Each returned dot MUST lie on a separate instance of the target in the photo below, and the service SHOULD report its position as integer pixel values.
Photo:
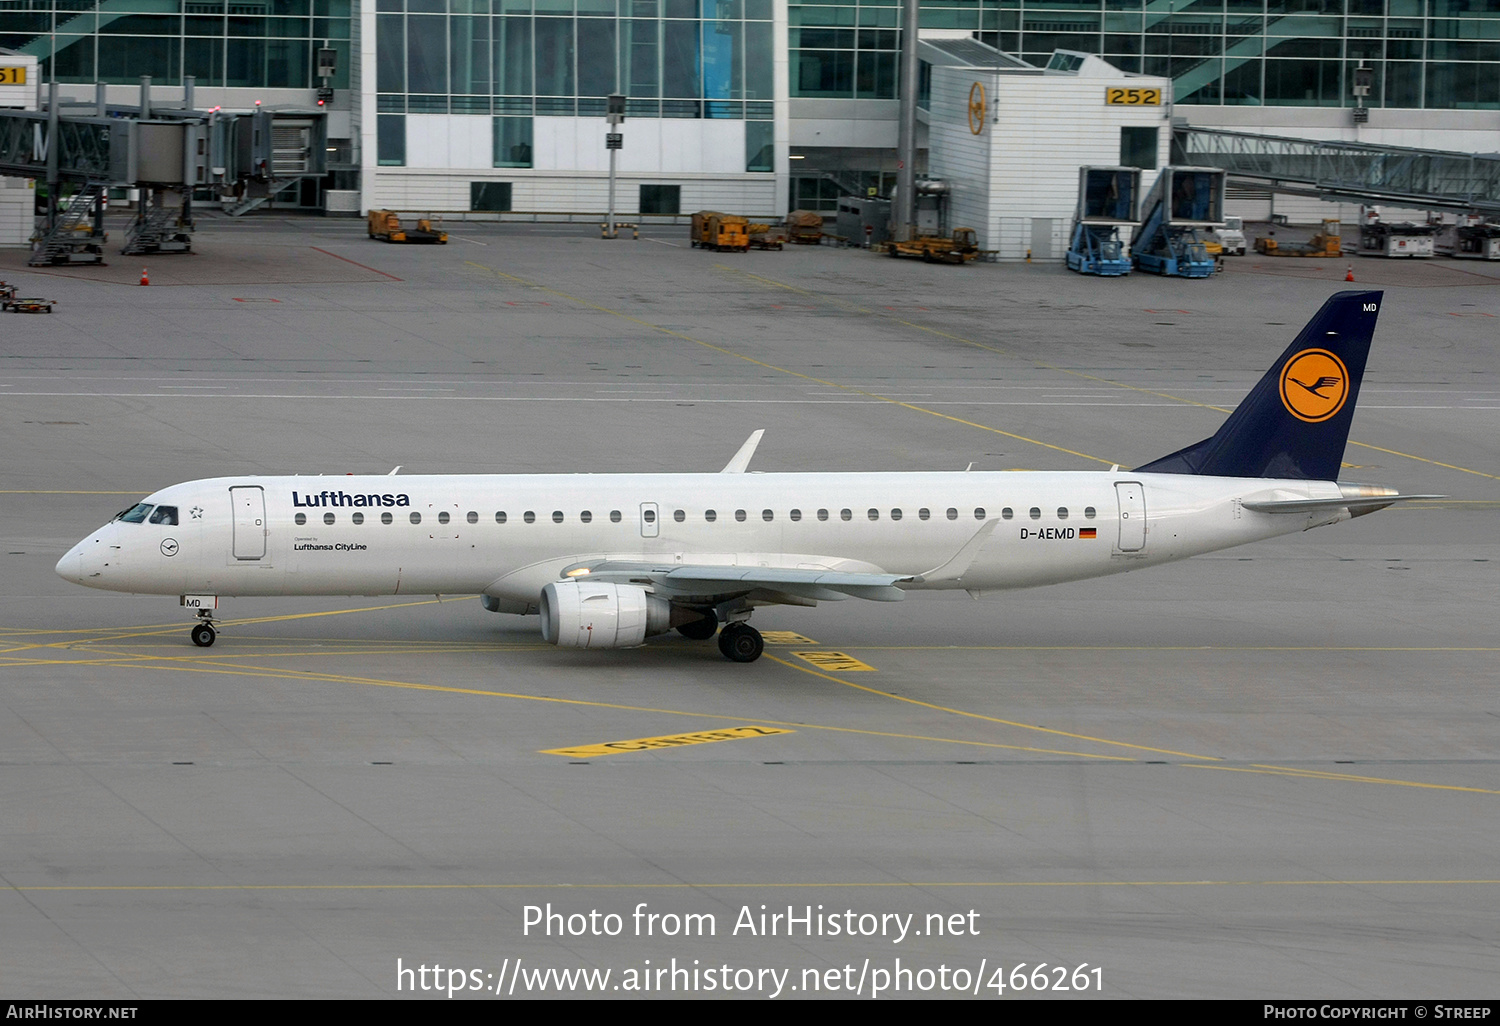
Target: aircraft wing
(722, 582)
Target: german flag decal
(1088, 532)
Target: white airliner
(609, 560)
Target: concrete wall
(17, 206)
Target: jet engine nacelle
(583, 614)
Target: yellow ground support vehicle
(385, 225)
(1326, 243)
(716, 231)
(960, 249)
(805, 227)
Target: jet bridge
(1184, 201)
(167, 153)
(1109, 198)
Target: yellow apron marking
(649, 744)
(786, 638)
(840, 661)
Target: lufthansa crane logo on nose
(1314, 385)
(977, 107)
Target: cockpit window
(135, 514)
(165, 515)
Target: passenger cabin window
(924, 513)
(586, 517)
(165, 515)
(679, 515)
(1035, 513)
(873, 514)
(1007, 513)
(822, 514)
(328, 518)
(416, 518)
(473, 517)
(443, 517)
(300, 519)
(952, 513)
(557, 516)
(649, 515)
(359, 518)
(767, 515)
(614, 516)
(529, 517)
(500, 516)
(710, 515)
(795, 514)
(1089, 513)
(1062, 512)
(895, 514)
(739, 515)
(846, 514)
(979, 513)
(386, 518)
(135, 514)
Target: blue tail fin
(1295, 422)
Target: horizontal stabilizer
(1356, 506)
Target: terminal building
(762, 106)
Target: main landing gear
(203, 633)
(741, 642)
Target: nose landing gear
(203, 633)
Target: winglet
(742, 458)
(955, 568)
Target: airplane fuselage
(509, 536)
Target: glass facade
(1437, 54)
(248, 43)
(523, 58)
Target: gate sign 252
(1115, 95)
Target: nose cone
(70, 567)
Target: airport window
(165, 515)
(1138, 147)
(846, 514)
(135, 514)
(557, 516)
(679, 515)
(660, 199)
(529, 517)
(512, 149)
(386, 518)
(614, 516)
(710, 515)
(760, 149)
(767, 515)
(327, 518)
(1035, 513)
(1062, 512)
(390, 140)
(924, 513)
(473, 517)
(489, 195)
(952, 513)
(649, 515)
(739, 515)
(300, 519)
(1007, 513)
(358, 518)
(1089, 512)
(895, 514)
(822, 514)
(443, 517)
(795, 514)
(586, 517)
(416, 518)
(873, 514)
(500, 516)
(979, 513)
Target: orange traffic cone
(1349, 275)
(147, 281)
